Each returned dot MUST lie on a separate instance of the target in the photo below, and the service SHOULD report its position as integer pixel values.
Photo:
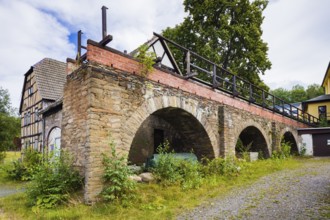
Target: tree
(9, 124)
(9, 129)
(4, 101)
(283, 94)
(228, 33)
(314, 90)
(298, 93)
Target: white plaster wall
(307, 141)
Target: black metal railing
(190, 65)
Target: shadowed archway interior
(289, 139)
(182, 130)
(251, 137)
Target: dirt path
(288, 194)
(6, 191)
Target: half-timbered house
(43, 86)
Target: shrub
(221, 166)
(146, 58)
(283, 152)
(190, 172)
(166, 168)
(118, 186)
(2, 156)
(261, 155)
(18, 171)
(242, 150)
(286, 149)
(53, 181)
(24, 170)
(171, 170)
(303, 150)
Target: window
(36, 114)
(322, 112)
(24, 120)
(54, 141)
(27, 118)
(30, 91)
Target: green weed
(118, 186)
(53, 182)
(24, 170)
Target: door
(321, 144)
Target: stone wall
(102, 105)
(75, 126)
(107, 101)
(234, 121)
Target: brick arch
(155, 105)
(291, 136)
(261, 135)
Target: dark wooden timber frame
(192, 66)
(219, 78)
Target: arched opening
(54, 141)
(289, 139)
(252, 140)
(183, 131)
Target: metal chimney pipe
(79, 44)
(104, 22)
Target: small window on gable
(30, 90)
(36, 114)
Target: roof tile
(50, 77)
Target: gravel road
(5, 191)
(288, 194)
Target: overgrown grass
(154, 201)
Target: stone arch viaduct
(107, 100)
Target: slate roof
(321, 98)
(50, 77)
(55, 105)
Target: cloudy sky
(297, 33)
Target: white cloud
(296, 31)
(34, 29)
(27, 36)
(297, 34)
(125, 18)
